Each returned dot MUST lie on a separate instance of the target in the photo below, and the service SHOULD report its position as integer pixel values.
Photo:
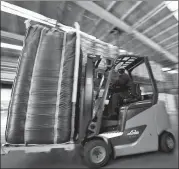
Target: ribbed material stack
(40, 109)
(20, 92)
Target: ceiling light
(173, 7)
(122, 51)
(10, 46)
(164, 69)
(176, 15)
(173, 71)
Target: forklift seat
(135, 108)
(134, 94)
(126, 112)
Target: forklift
(142, 124)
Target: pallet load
(40, 110)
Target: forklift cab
(96, 106)
(136, 99)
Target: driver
(120, 89)
(123, 82)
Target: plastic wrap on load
(65, 104)
(97, 48)
(20, 93)
(41, 108)
(39, 126)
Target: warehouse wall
(5, 98)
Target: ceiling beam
(92, 7)
(109, 7)
(131, 10)
(149, 15)
(151, 27)
(123, 17)
(172, 45)
(170, 37)
(159, 22)
(164, 31)
(139, 45)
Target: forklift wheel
(96, 153)
(167, 142)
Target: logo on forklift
(133, 132)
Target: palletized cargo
(41, 105)
(57, 105)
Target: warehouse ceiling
(151, 27)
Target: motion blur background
(156, 27)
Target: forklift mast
(87, 94)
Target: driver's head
(121, 71)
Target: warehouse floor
(62, 159)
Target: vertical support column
(75, 78)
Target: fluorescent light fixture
(10, 46)
(164, 69)
(176, 15)
(122, 51)
(173, 71)
(173, 6)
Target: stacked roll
(39, 127)
(41, 107)
(20, 93)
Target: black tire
(166, 140)
(92, 145)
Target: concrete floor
(62, 159)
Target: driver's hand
(110, 85)
(114, 85)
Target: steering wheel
(112, 85)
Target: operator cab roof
(128, 62)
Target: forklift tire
(96, 153)
(167, 142)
